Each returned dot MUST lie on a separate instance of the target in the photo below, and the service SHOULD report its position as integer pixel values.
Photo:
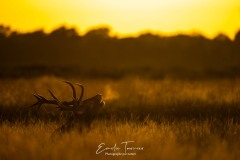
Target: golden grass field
(170, 119)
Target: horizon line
(113, 33)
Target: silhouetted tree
(222, 37)
(98, 33)
(97, 52)
(237, 37)
(6, 31)
(63, 32)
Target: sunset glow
(126, 17)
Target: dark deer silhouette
(83, 111)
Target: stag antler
(81, 95)
(75, 105)
(41, 100)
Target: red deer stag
(83, 111)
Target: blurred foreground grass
(171, 119)
(178, 140)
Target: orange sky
(126, 17)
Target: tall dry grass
(171, 119)
(178, 140)
(130, 91)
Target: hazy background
(114, 39)
(64, 52)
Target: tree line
(97, 53)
